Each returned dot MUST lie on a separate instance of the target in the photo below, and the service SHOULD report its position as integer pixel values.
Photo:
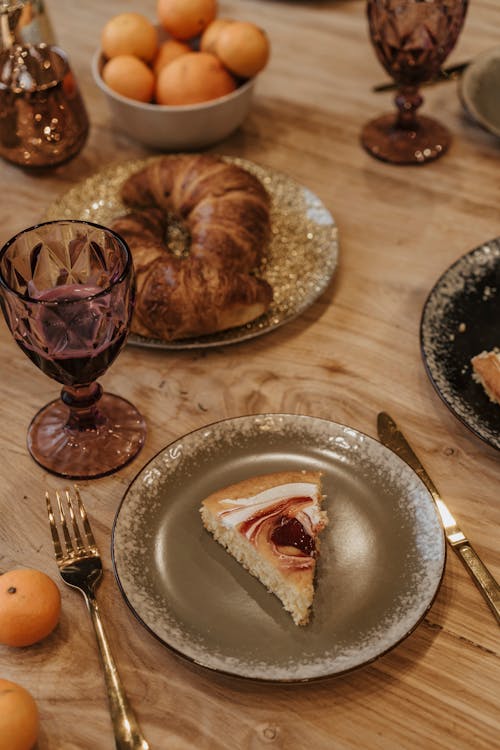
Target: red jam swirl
(282, 527)
(290, 533)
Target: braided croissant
(226, 212)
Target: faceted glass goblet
(411, 38)
(67, 294)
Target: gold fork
(80, 566)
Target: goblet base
(383, 139)
(96, 451)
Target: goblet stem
(403, 137)
(408, 100)
(86, 433)
(82, 402)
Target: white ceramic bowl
(175, 128)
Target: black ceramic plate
(382, 553)
(460, 319)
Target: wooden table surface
(354, 352)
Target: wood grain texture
(351, 354)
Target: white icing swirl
(236, 511)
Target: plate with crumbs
(300, 260)
(461, 318)
(380, 566)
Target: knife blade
(445, 74)
(392, 437)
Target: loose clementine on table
(193, 78)
(243, 48)
(129, 34)
(19, 720)
(30, 606)
(185, 19)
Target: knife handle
(482, 577)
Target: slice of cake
(270, 524)
(486, 371)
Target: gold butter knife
(393, 438)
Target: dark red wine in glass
(67, 294)
(412, 38)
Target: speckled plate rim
(470, 79)
(435, 374)
(339, 433)
(302, 255)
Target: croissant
(224, 207)
(225, 211)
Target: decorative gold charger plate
(381, 563)
(301, 258)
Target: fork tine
(85, 520)
(80, 547)
(53, 530)
(67, 538)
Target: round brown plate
(301, 257)
(381, 563)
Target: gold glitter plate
(301, 258)
(381, 562)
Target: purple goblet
(412, 38)
(67, 293)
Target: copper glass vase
(411, 38)
(43, 120)
(24, 22)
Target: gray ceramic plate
(381, 563)
(301, 258)
(479, 87)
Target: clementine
(243, 48)
(185, 19)
(30, 606)
(211, 34)
(129, 34)
(193, 78)
(130, 77)
(168, 51)
(19, 720)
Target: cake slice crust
(270, 524)
(486, 371)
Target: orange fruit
(130, 77)
(168, 51)
(185, 19)
(243, 48)
(193, 78)
(211, 34)
(30, 606)
(129, 34)
(19, 720)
